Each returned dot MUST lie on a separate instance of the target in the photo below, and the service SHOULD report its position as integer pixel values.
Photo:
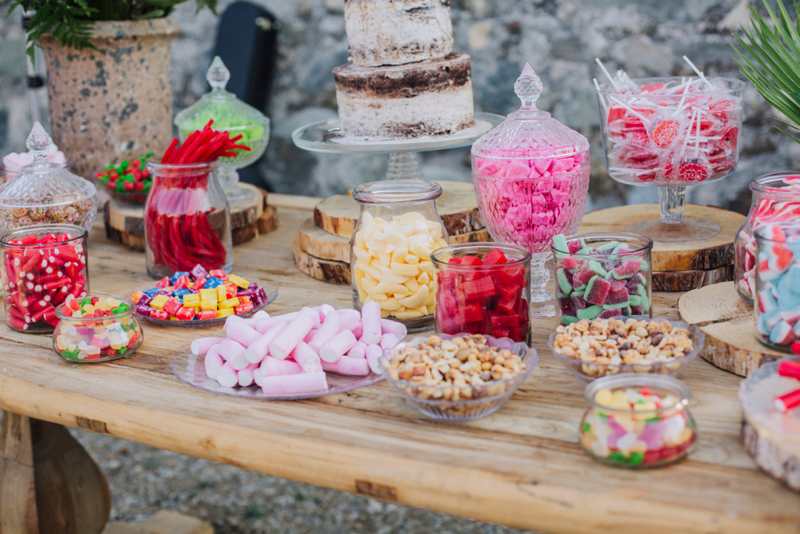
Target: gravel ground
(144, 480)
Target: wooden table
(521, 467)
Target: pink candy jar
(776, 198)
(531, 176)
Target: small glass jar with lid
(390, 258)
(232, 115)
(531, 176)
(46, 193)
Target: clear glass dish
(495, 393)
(80, 333)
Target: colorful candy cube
(185, 314)
(239, 281)
(243, 308)
(159, 314)
(172, 306)
(191, 300)
(208, 314)
(136, 296)
(226, 312)
(158, 302)
(230, 303)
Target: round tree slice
(334, 272)
(687, 280)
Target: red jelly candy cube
(495, 257)
(471, 313)
(164, 282)
(207, 314)
(172, 306)
(199, 284)
(572, 264)
(185, 314)
(516, 334)
(183, 282)
(500, 332)
(218, 273)
(243, 308)
(503, 321)
(230, 291)
(651, 457)
(470, 260)
(159, 314)
(597, 290)
(481, 288)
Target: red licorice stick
(784, 403)
(168, 153)
(789, 369)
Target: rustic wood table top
(521, 467)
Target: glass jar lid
(44, 183)
(529, 133)
(229, 113)
(397, 192)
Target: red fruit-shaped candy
(664, 132)
(692, 172)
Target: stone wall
(560, 38)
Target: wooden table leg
(48, 483)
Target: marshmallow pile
(778, 284)
(289, 354)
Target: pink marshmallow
(307, 358)
(374, 357)
(358, 351)
(242, 333)
(330, 327)
(258, 349)
(310, 335)
(371, 323)
(394, 327)
(351, 319)
(245, 376)
(262, 325)
(213, 362)
(347, 366)
(227, 376)
(295, 331)
(314, 314)
(257, 376)
(230, 349)
(337, 346)
(323, 310)
(233, 319)
(202, 345)
(358, 331)
(273, 367)
(295, 384)
(389, 341)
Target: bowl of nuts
(458, 377)
(603, 347)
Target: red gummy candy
(495, 257)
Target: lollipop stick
(632, 112)
(688, 133)
(600, 96)
(610, 79)
(697, 138)
(697, 71)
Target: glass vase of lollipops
(670, 133)
(531, 176)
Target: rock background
(560, 38)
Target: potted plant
(108, 75)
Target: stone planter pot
(113, 103)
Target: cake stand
(326, 137)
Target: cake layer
(396, 32)
(426, 98)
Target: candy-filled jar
(637, 421)
(775, 199)
(482, 288)
(531, 176)
(46, 193)
(602, 275)
(42, 267)
(391, 248)
(187, 220)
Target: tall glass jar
(42, 266)
(187, 220)
(390, 254)
(776, 198)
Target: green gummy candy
(590, 313)
(559, 294)
(560, 243)
(627, 311)
(621, 248)
(563, 283)
(122, 350)
(586, 427)
(635, 300)
(85, 301)
(645, 306)
(620, 305)
(643, 267)
(616, 456)
(69, 354)
(568, 319)
(590, 285)
(597, 268)
(584, 251)
(608, 246)
(642, 291)
(636, 458)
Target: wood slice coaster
(702, 254)
(125, 224)
(334, 272)
(727, 322)
(319, 243)
(268, 222)
(689, 280)
(457, 207)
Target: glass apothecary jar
(187, 220)
(531, 176)
(42, 266)
(601, 275)
(637, 421)
(482, 288)
(390, 254)
(96, 329)
(775, 198)
(46, 193)
(233, 116)
(777, 301)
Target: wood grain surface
(521, 467)
(675, 281)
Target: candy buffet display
(187, 219)
(127, 182)
(45, 193)
(396, 233)
(637, 421)
(293, 355)
(531, 176)
(592, 349)
(42, 267)
(775, 199)
(13, 163)
(200, 298)
(602, 275)
(670, 132)
(785, 402)
(777, 306)
(96, 329)
(458, 378)
(483, 289)
(229, 115)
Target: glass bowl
(490, 397)
(587, 372)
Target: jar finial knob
(218, 74)
(38, 142)
(528, 87)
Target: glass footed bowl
(587, 372)
(495, 393)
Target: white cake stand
(326, 136)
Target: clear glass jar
(531, 176)
(230, 115)
(482, 288)
(97, 339)
(45, 193)
(777, 306)
(775, 198)
(602, 275)
(637, 421)
(187, 220)
(390, 252)
(42, 266)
